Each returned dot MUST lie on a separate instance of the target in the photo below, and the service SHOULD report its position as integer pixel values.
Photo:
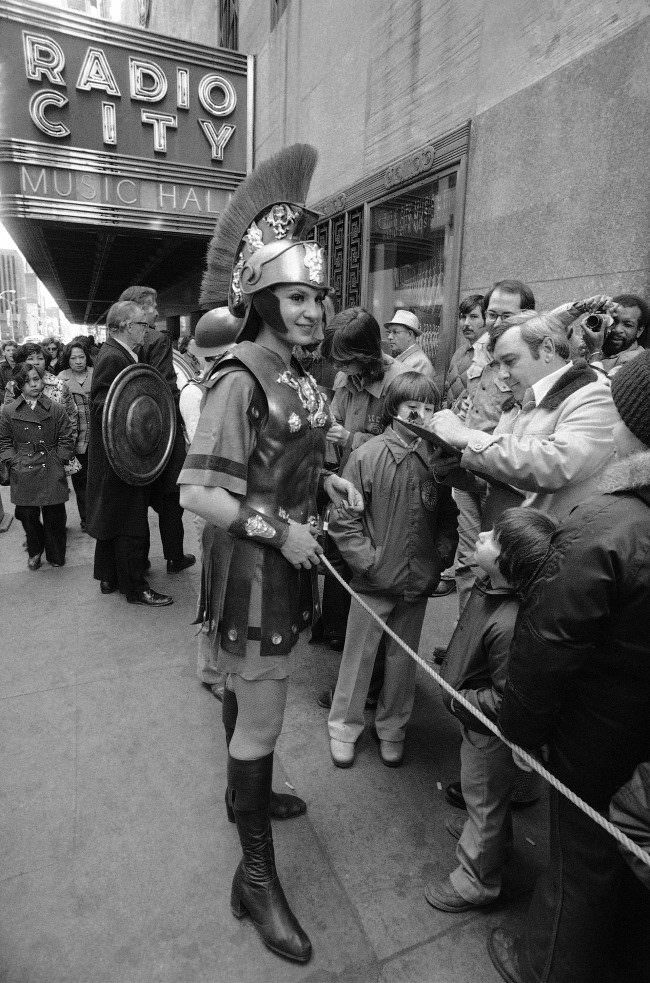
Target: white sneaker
(342, 753)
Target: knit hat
(631, 394)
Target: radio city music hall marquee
(104, 123)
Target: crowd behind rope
(544, 424)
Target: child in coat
(396, 549)
(476, 664)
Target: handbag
(72, 466)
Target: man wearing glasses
(117, 512)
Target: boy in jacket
(396, 550)
(476, 665)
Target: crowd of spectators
(528, 478)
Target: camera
(596, 322)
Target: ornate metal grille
(229, 24)
(354, 258)
(278, 7)
(337, 248)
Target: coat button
(305, 615)
(294, 629)
(232, 635)
(276, 639)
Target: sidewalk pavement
(116, 854)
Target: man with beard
(623, 339)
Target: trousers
(395, 704)
(79, 484)
(487, 778)
(48, 535)
(121, 561)
(470, 507)
(170, 520)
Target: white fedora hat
(407, 319)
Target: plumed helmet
(260, 239)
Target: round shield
(139, 424)
(185, 371)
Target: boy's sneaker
(444, 896)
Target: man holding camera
(618, 338)
(550, 454)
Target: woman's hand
(300, 547)
(343, 494)
(337, 434)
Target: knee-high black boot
(282, 806)
(256, 889)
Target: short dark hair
(523, 291)
(31, 348)
(138, 295)
(67, 352)
(357, 337)
(9, 343)
(524, 535)
(408, 385)
(631, 300)
(468, 304)
(20, 374)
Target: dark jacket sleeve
(7, 447)
(447, 526)
(349, 530)
(66, 437)
(157, 352)
(558, 628)
(496, 642)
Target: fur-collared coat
(579, 670)
(552, 454)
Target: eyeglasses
(143, 324)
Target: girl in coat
(36, 439)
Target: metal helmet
(215, 331)
(284, 261)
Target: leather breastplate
(284, 468)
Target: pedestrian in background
(36, 439)
(77, 373)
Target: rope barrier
(524, 755)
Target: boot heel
(236, 906)
(230, 812)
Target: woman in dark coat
(36, 438)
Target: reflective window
(410, 262)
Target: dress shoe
(391, 752)
(34, 562)
(443, 588)
(502, 950)
(455, 826)
(175, 566)
(337, 643)
(107, 587)
(54, 563)
(150, 597)
(342, 753)
(438, 655)
(444, 896)
(454, 795)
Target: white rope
(528, 758)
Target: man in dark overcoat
(156, 350)
(116, 511)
